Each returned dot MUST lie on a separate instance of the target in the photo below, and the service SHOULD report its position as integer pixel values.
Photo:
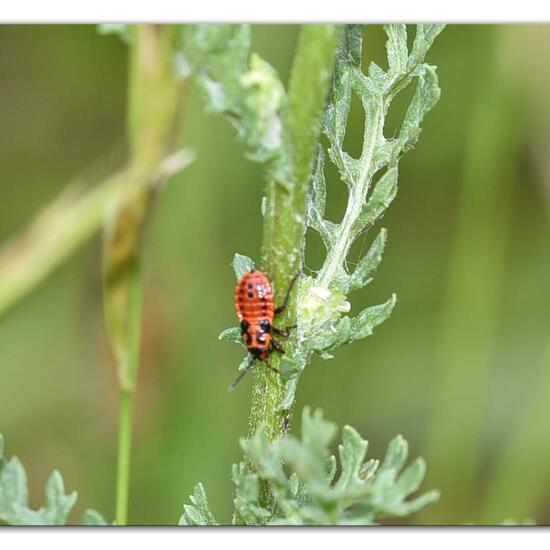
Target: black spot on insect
(250, 294)
(263, 298)
(265, 325)
(250, 286)
(244, 326)
(241, 291)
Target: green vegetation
(461, 369)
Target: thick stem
(285, 213)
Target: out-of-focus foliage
(236, 83)
(301, 476)
(14, 505)
(63, 106)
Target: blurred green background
(462, 368)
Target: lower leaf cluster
(14, 505)
(302, 485)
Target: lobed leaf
(240, 85)
(93, 518)
(382, 196)
(242, 264)
(366, 268)
(58, 504)
(14, 507)
(370, 318)
(197, 513)
(299, 474)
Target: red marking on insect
(256, 311)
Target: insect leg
(276, 346)
(283, 332)
(282, 307)
(251, 360)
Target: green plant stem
(124, 449)
(127, 397)
(154, 93)
(154, 96)
(29, 257)
(285, 212)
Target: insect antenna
(236, 383)
(241, 376)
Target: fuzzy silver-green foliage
(323, 320)
(14, 505)
(122, 30)
(236, 83)
(301, 476)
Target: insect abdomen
(255, 310)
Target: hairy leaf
(14, 507)
(236, 83)
(93, 518)
(308, 496)
(197, 513)
(242, 264)
(299, 474)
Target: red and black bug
(256, 311)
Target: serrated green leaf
(396, 48)
(242, 264)
(265, 459)
(13, 491)
(291, 383)
(330, 336)
(425, 36)
(317, 197)
(411, 478)
(58, 504)
(93, 518)
(331, 469)
(199, 512)
(288, 367)
(368, 469)
(409, 507)
(294, 484)
(246, 495)
(426, 96)
(317, 432)
(367, 201)
(232, 334)
(381, 197)
(370, 318)
(396, 455)
(236, 83)
(351, 45)
(366, 268)
(309, 496)
(122, 30)
(352, 454)
(14, 508)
